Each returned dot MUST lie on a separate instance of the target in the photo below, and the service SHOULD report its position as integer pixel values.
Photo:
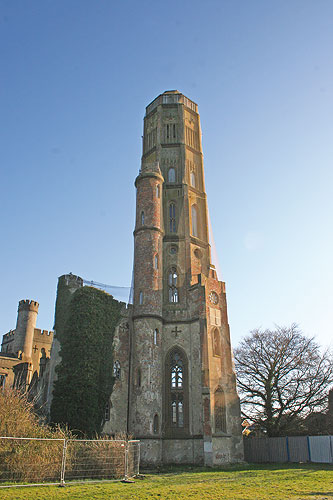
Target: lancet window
(193, 180)
(142, 218)
(220, 411)
(155, 424)
(171, 175)
(176, 372)
(173, 287)
(172, 218)
(216, 342)
(194, 214)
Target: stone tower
(25, 327)
(183, 403)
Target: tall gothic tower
(182, 399)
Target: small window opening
(157, 191)
(172, 218)
(142, 218)
(156, 261)
(141, 298)
(155, 336)
(155, 424)
(116, 369)
(107, 412)
(138, 377)
(174, 131)
(173, 290)
(167, 128)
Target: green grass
(247, 482)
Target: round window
(213, 297)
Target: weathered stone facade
(176, 391)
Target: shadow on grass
(248, 467)
(321, 493)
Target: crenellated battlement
(28, 305)
(8, 336)
(43, 334)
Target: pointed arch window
(176, 385)
(172, 218)
(173, 287)
(220, 411)
(171, 175)
(142, 218)
(194, 214)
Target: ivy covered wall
(85, 323)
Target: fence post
(139, 456)
(126, 461)
(309, 447)
(63, 464)
(288, 451)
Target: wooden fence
(289, 449)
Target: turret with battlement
(25, 326)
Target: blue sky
(76, 76)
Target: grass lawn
(248, 482)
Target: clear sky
(76, 76)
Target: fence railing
(57, 461)
(318, 449)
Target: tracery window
(116, 369)
(220, 411)
(176, 384)
(172, 218)
(194, 214)
(171, 175)
(173, 289)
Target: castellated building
(25, 354)
(174, 382)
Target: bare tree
(282, 375)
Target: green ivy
(85, 374)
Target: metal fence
(57, 461)
(289, 449)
